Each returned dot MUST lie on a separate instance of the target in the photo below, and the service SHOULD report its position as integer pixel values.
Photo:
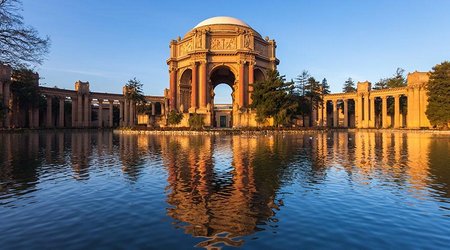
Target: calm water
(79, 190)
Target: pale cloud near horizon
(81, 72)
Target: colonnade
(366, 100)
(364, 111)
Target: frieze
(185, 47)
(223, 43)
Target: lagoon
(99, 189)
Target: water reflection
(222, 188)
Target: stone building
(218, 50)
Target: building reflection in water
(215, 189)
(225, 187)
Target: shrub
(174, 117)
(196, 122)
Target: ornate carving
(198, 39)
(186, 47)
(223, 43)
(247, 40)
(261, 48)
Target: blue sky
(109, 42)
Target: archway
(258, 75)
(222, 96)
(185, 90)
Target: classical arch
(259, 75)
(185, 90)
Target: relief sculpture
(223, 43)
(186, 47)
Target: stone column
(384, 111)
(111, 114)
(397, 111)
(163, 109)
(424, 122)
(251, 81)
(410, 106)
(30, 117)
(36, 117)
(153, 109)
(100, 113)
(366, 111)
(203, 83)
(126, 110)
(173, 89)
(61, 112)
(242, 85)
(358, 113)
(335, 114)
(1, 90)
(194, 87)
(345, 113)
(74, 111)
(87, 109)
(49, 112)
(319, 115)
(80, 122)
(121, 115)
(372, 112)
(131, 114)
(6, 96)
(324, 117)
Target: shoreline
(229, 131)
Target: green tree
(20, 45)
(25, 90)
(324, 90)
(314, 92)
(196, 121)
(174, 118)
(273, 97)
(395, 81)
(133, 91)
(349, 86)
(302, 103)
(438, 109)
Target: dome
(222, 20)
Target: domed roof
(222, 20)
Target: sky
(108, 42)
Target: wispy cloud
(81, 72)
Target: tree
(273, 97)
(303, 105)
(133, 91)
(314, 95)
(174, 117)
(196, 121)
(20, 45)
(301, 81)
(438, 109)
(349, 86)
(395, 81)
(25, 90)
